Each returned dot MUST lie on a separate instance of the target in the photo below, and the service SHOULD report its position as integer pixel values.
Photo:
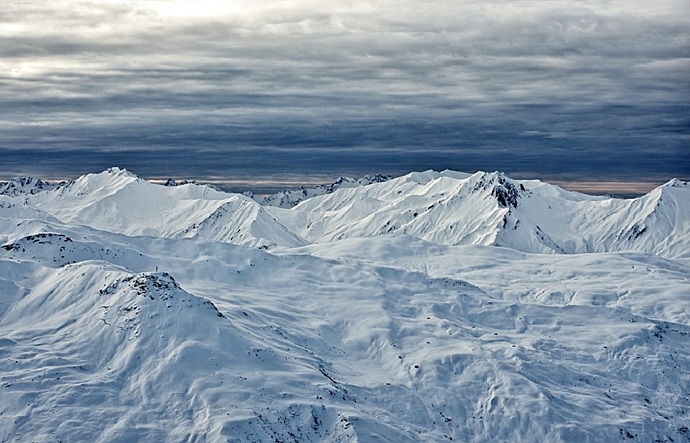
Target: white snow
(430, 307)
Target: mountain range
(436, 306)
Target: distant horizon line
(273, 183)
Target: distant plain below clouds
(563, 90)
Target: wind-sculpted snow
(127, 314)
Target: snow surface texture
(430, 307)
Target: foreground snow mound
(305, 349)
(139, 359)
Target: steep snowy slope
(118, 201)
(446, 208)
(243, 222)
(137, 359)
(569, 223)
(491, 209)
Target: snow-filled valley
(437, 306)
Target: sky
(297, 90)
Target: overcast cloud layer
(593, 89)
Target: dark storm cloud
(577, 88)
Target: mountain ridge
(445, 207)
(420, 308)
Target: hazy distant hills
(437, 306)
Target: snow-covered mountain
(437, 306)
(491, 209)
(291, 198)
(26, 185)
(447, 208)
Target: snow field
(134, 312)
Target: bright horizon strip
(626, 188)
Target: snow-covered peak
(291, 198)
(505, 190)
(97, 185)
(675, 183)
(492, 209)
(160, 287)
(119, 172)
